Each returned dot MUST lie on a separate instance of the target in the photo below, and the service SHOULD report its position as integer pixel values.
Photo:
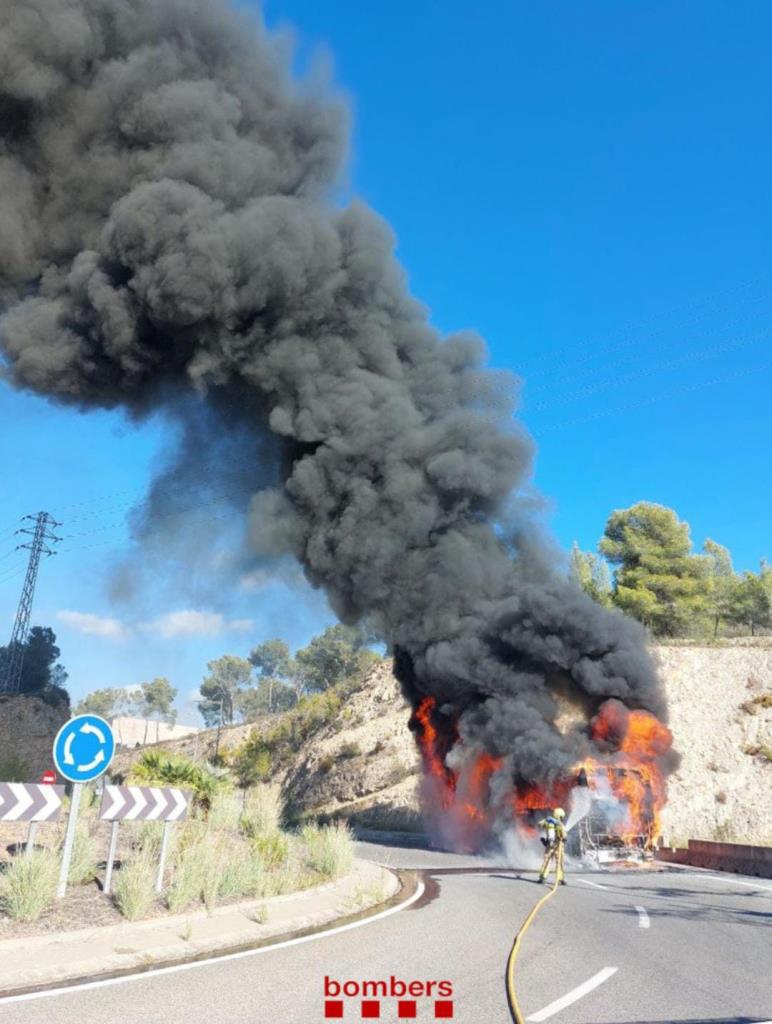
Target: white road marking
(643, 917)
(595, 885)
(736, 881)
(192, 965)
(572, 996)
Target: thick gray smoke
(168, 239)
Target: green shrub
(276, 748)
(135, 886)
(328, 850)
(28, 885)
(160, 768)
(13, 769)
(272, 849)
(349, 750)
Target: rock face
(722, 790)
(364, 763)
(27, 729)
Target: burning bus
(614, 799)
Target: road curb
(407, 883)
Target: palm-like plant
(160, 768)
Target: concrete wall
(27, 730)
(736, 857)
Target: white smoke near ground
(521, 849)
(581, 802)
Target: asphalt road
(699, 949)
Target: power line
(42, 535)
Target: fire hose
(514, 1006)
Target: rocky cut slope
(362, 762)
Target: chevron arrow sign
(21, 801)
(143, 803)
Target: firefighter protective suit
(554, 841)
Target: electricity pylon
(42, 535)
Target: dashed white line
(595, 885)
(643, 917)
(572, 996)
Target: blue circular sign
(84, 748)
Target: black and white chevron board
(21, 801)
(143, 803)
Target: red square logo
(406, 1008)
(443, 1008)
(371, 1008)
(333, 1008)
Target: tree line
(238, 689)
(646, 567)
(42, 674)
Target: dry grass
(263, 811)
(328, 850)
(242, 872)
(135, 886)
(365, 896)
(28, 885)
(84, 865)
(225, 812)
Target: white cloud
(285, 572)
(258, 579)
(240, 625)
(93, 625)
(190, 622)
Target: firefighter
(553, 841)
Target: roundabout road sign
(84, 748)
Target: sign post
(162, 863)
(142, 803)
(69, 839)
(83, 750)
(31, 834)
(111, 857)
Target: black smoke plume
(168, 239)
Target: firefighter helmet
(558, 813)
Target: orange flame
(463, 797)
(633, 742)
(638, 742)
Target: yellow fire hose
(514, 1007)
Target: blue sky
(584, 184)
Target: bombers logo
(392, 999)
